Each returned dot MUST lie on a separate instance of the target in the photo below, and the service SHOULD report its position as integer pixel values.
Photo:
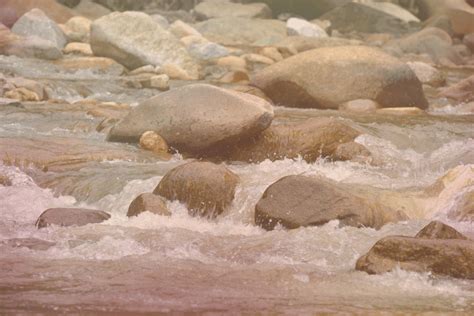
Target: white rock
(302, 27)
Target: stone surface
(70, 217)
(327, 77)
(83, 49)
(430, 41)
(207, 189)
(32, 85)
(134, 39)
(196, 117)
(238, 30)
(22, 94)
(309, 9)
(160, 82)
(359, 106)
(12, 10)
(181, 29)
(232, 62)
(154, 142)
(77, 29)
(464, 210)
(468, 40)
(148, 202)
(296, 201)
(309, 140)
(302, 27)
(91, 10)
(370, 17)
(209, 9)
(351, 151)
(300, 44)
(463, 91)
(37, 23)
(94, 64)
(207, 51)
(427, 74)
(438, 230)
(446, 257)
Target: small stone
(232, 62)
(427, 74)
(176, 72)
(235, 76)
(181, 29)
(144, 69)
(193, 39)
(153, 142)
(401, 111)
(22, 94)
(77, 29)
(271, 52)
(148, 202)
(302, 27)
(207, 51)
(258, 59)
(360, 106)
(160, 82)
(78, 49)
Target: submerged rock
(296, 201)
(37, 23)
(134, 39)
(445, 252)
(70, 217)
(209, 9)
(370, 17)
(197, 117)
(311, 139)
(148, 202)
(327, 77)
(207, 189)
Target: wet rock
(352, 151)
(196, 117)
(12, 10)
(238, 30)
(300, 44)
(302, 27)
(209, 9)
(310, 140)
(359, 106)
(370, 17)
(327, 77)
(296, 201)
(37, 23)
(207, 51)
(207, 189)
(77, 29)
(427, 74)
(439, 230)
(463, 91)
(30, 243)
(7, 101)
(160, 82)
(309, 9)
(35, 86)
(70, 217)
(440, 256)
(181, 29)
(134, 39)
(78, 49)
(464, 210)
(148, 202)
(91, 10)
(22, 94)
(154, 142)
(431, 41)
(95, 64)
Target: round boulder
(197, 117)
(296, 201)
(327, 77)
(70, 217)
(207, 189)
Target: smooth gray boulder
(37, 23)
(196, 118)
(328, 77)
(70, 217)
(134, 39)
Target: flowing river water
(153, 263)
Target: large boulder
(444, 253)
(12, 10)
(327, 77)
(463, 91)
(37, 23)
(209, 9)
(371, 17)
(239, 30)
(207, 189)
(70, 217)
(310, 140)
(296, 201)
(460, 13)
(431, 41)
(134, 39)
(197, 117)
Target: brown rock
(70, 217)
(352, 151)
(296, 201)
(300, 44)
(12, 10)
(5, 180)
(152, 141)
(22, 94)
(232, 62)
(148, 202)
(465, 208)
(207, 189)
(462, 91)
(235, 77)
(326, 77)
(78, 49)
(310, 139)
(468, 40)
(447, 257)
(438, 230)
(100, 64)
